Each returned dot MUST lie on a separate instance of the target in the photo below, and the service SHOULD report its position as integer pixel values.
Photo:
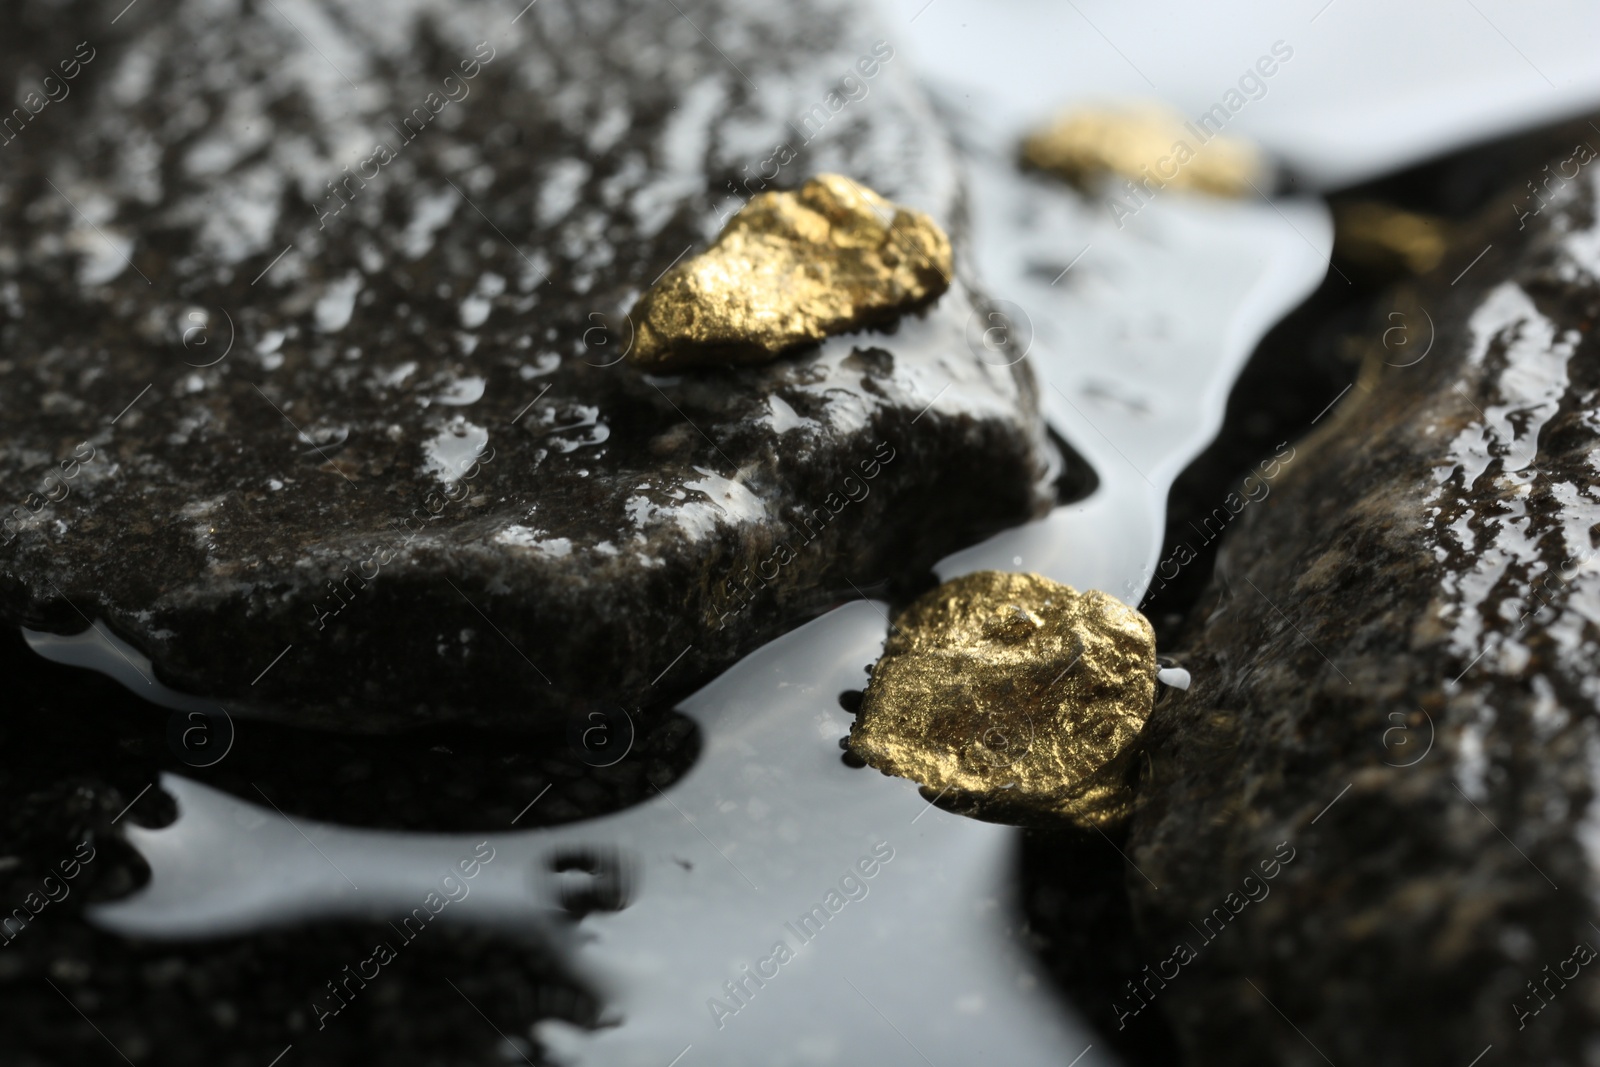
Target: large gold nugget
(791, 268)
(1148, 145)
(1014, 696)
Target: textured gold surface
(1141, 143)
(790, 268)
(1387, 240)
(1014, 696)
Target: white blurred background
(1372, 84)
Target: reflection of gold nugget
(1145, 143)
(791, 268)
(1387, 241)
(1014, 696)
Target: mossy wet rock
(261, 394)
(1394, 680)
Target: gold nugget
(1014, 696)
(1386, 241)
(1145, 143)
(792, 268)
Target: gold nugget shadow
(792, 268)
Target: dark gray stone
(1395, 695)
(219, 505)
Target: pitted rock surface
(1374, 811)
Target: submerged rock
(309, 353)
(1012, 697)
(792, 268)
(1368, 833)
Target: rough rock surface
(311, 319)
(1368, 833)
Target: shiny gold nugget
(1145, 144)
(1015, 696)
(791, 268)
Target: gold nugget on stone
(1015, 697)
(788, 269)
(1148, 145)
(1385, 241)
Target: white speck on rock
(544, 363)
(781, 417)
(605, 133)
(1176, 677)
(448, 453)
(397, 375)
(524, 537)
(429, 213)
(560, 190)
(105, 254)
(1472, 761)
(474, 312)
(461, 392)
(337, 304)
(726, 501)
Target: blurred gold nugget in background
(1145, 143)
(1387, 241)
(792, 268)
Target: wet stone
(311, 359)
(1374, 810)
(86, 759)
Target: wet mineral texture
(1368, 833)
(311, 378)
(790, 269)
(1012, 697)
